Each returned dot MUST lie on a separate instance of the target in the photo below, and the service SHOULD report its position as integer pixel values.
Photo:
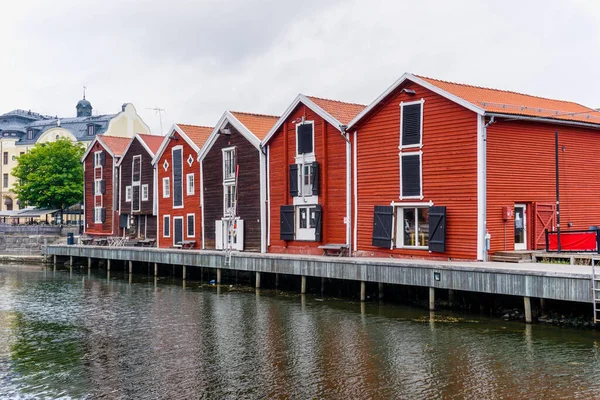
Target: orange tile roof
(152, 141)
(258, 124)
(116, 144)
(343, 112)
(198, 134)
(507, 102)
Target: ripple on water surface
(74, 336)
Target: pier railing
(581, 241)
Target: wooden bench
(145, 243)
(331, 249)
(188, 244)
(86, 241)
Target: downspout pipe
(348, 188)
(484, 186)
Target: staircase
(517, 256)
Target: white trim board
(420, 82)
(308, 103)
(226, 118)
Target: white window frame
(304, 234)
(193, 215)
(224, 152)
(412, 153)
(29, 134)
(305, 156)
(227, 210)
(91, 130)
(190, 188)
(97, 215)
(168, 218)
(97, 159)
(145, 192)
(97, 191)
(166, 187)
(410, 103)
(399, 218)
(128, 194)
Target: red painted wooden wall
(330, 153)
(106, 228)
(449, 170)
(191, 203)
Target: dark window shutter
(315, 178)
(411, 124)
(305, 138)
(103, 186)
(411, 176)
(383, 219)
(103, 214)
(286, 231)
(177, 178)
(294, 180)
(103, 158)
(318, 222)
(93, 160)
(122, 221)
(437, 229)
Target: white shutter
(219, 235)
(240, 235)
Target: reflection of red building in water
(439, 165)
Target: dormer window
(91, 130)
(29, 134)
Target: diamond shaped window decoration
(190, 160)
(166, 165)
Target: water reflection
(133, 336)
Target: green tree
(50, 175)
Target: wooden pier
(528, 280)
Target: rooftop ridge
(197, 126)
(335, 101)
(503, 91)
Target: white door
(520, 227)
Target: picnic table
(145, 243)
(86, 241)
(188, 244)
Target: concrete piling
(431, 299)
(322, 286)
(380, 290)
(155, 269)
(70, 261)
(450, 297)
(55, 259)
(130, 266)
(276, 281)
(218, 276)
(527, 305)
(108, 264)
(303, 285)
(89, 263)
(184, 273)
(258, 280)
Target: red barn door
(544, 218)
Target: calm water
(80, 337)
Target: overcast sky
(198, 58)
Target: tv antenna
(159, 111)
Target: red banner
(572, 241)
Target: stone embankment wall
(27, 244)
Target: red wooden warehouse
(441, 167)
(137, 202)
(178, 189)
(309, 177)
(101, 184)
(234, 184)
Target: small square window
(128, 194)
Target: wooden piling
(258, 280)
(89, 263)
(431, 299)
(130, 266)
(108, 264)
(363, 291)
(380, 290)
(183, 273)
(527, 306)
(155, 269)
(303, 284)
(218, 276)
